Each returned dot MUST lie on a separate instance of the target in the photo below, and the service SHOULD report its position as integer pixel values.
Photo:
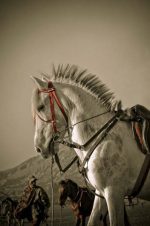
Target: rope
(95, 116)
(52, 192)
(84, 120)
(60, 216)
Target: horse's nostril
(38, 149)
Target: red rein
(53, 97)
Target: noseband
(53, 97)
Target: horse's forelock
(62, 182)
(68, 182)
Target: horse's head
(6, 206)
(67, 188)
(49, 116)
(63, 192)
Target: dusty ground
(139, 216)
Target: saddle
(139, 116)
(22, 208)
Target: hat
(32, 178)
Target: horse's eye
(41, 108)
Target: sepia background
(109, 38)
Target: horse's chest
(106, 165)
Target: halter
(78, 195)
(53, 97)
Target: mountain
(13, 181)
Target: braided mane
(71, 74)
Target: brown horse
(81, 200)
(8, 207)
(34, 213)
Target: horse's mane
(64, 182)
(14, 202)
(8, 198)
(71, 74)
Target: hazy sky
(109, 38)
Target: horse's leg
(36, 221)
(16, 222)
(78, 221)
(8, 220)
(126, 218)
(46, 222)
(20, 222)
(105, 219)
(115, 203)
(83, 220)
(98, 212)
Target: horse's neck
(81, 105)
(10, 205)
(74, 193)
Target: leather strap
(53, 97)
(105, 129)
(63, 170)
(142, 177)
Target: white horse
(115, 163)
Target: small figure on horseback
(34, 203)
(8, 207)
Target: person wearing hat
(32, 182)
(34, 203)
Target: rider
(34, 198)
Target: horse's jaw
(45, 155)
(51, 149)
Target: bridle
(53, 97)
(78, 194)
(51, 91)
(100, 134)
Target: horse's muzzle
(49, 151)
(61, 204)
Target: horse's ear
(45, 77)
(40, 83)
(62, 182)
